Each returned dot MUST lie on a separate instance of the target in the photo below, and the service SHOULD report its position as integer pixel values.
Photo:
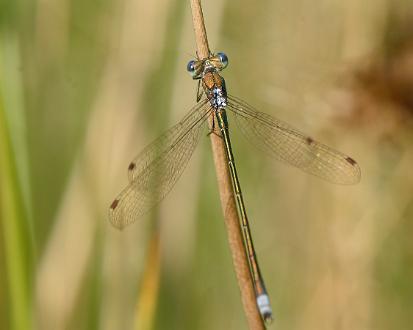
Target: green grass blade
(14, 192)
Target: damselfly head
(216, 62)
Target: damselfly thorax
(214, 88)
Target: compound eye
(191, 68)
(224, 59)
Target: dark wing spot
(114, 204)
(351, 161)
(131, 166)
(309, 140)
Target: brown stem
(227, 195)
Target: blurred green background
(85, 85)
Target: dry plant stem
(227, 195)
(149, 288)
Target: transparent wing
(287, 144)
(156, 169)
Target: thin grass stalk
(227, 197)
(149, 287)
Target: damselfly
(156, 169)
